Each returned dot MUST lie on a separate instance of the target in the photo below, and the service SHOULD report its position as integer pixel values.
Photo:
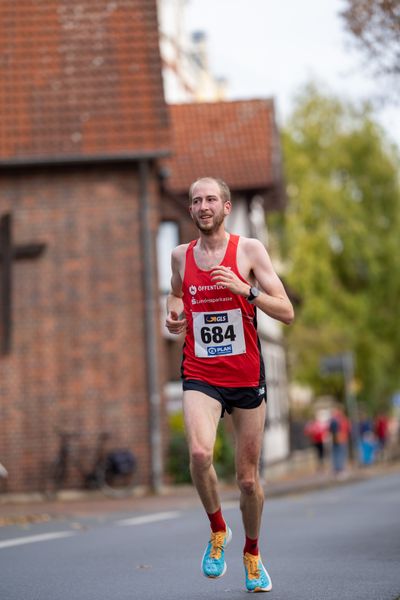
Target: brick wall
(77, 360)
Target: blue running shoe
(257, 578)
(213, 563)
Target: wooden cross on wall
(9, 253)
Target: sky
(271, 48)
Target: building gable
(236, 141)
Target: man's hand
(174, 324)
(226, 277)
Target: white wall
(276, 438)
(238, 221)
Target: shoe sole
(259, 589)
(228, 539)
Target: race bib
(218, 333)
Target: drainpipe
(151, 325)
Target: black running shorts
(230, 398)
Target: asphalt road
(341, 543)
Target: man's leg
(249, 429)
(202, 415)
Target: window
(167, 240)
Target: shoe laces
(217, 543)
(251, 564)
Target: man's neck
(213, 242)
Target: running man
(214, 298)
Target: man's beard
(212, 226)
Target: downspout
(151, 324)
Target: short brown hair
(223, 188)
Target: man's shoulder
(248, 244)
(180, 251)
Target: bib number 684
(217, 335)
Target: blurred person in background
(367, 439)
(316, 431)
(381, 428)
(339, 428)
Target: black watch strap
(254, 293)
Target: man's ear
(227, 207)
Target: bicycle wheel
(117, 485)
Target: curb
(25, 509)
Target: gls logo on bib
(216, 318)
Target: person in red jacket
(218, 282)
(381, 428)
(316, 431)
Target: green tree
(342, 232)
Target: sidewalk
(23, 510)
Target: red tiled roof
(236, 141)
(80, 78)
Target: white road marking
(44, 537)
(163, 516)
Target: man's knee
(201, 458)
(248, 485)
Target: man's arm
(273, 299)
(173, 323)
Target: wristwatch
(254, 293)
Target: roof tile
(236, 141)
(80, 78)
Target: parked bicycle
(3, 478)
(111, 471)
(3, 472)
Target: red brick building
(83, 122)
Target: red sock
(251, 546)
(217, 521)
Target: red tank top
(221, 345)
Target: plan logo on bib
(219, 350)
